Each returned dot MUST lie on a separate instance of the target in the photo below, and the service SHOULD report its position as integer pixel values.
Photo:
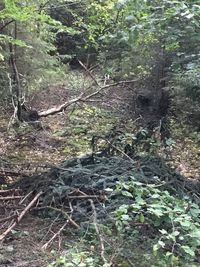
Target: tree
(27, 45)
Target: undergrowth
(164, 226)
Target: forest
(99, 133)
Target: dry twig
(67, 216)
(19, 218)
(10, 191)
(81, 97)
(98, 232)
(10, 198)
(46, 245)
(8, 218)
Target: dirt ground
(23, 247)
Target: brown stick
(80, 98)
(11, 197)
(89, 73)
(25, 197)
(63, 213)
(101, 241)
(8, 218)
(10, 191)
(45, 246)
(19, 218)
(86, 196)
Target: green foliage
(77, 256)
(32, 32)
(82, 125)
(189, 81)
(176, 221)
(131, 36)
(74, 257)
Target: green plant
(27, 39)
(175, 220)
(75, 257)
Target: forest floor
(64, 136)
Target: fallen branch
(45, 246)
(69, 219)
(63, 213)
(102, 197)
(10, 198)
(8, 218)
(25, 197)
(19, 218)
(80, 98)
(60, 108)
(98, 233)
(10, 191)
(106, 87)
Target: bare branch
(19, 218)
(6, 24)
(80, 98)
(45, 246)
(68, 217)
(98, 232)
(8, 218)
(89, 73)
(10, 198)
(60, 108)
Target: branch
(8, 218)
(9, 191)
(45, 246)
(11, 197)
(6, 24)
(98, 232)
(60, 108)
(87, 196)
(68, 217)
(19, 218)
(89, 73)
(80, 98)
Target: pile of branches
(78, 188)
(13, 207)
(69, 186)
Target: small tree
(27, 46)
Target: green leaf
(163, 232)
(155, 249)
(188, 250)
(142, 219)
(127, 194)
(140, 201)
(176, 233)
(161, 244)
(169, 254)
(125, 217)
(186, 224)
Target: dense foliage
(28, 54)
(159, 39)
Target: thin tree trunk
(15, 77)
